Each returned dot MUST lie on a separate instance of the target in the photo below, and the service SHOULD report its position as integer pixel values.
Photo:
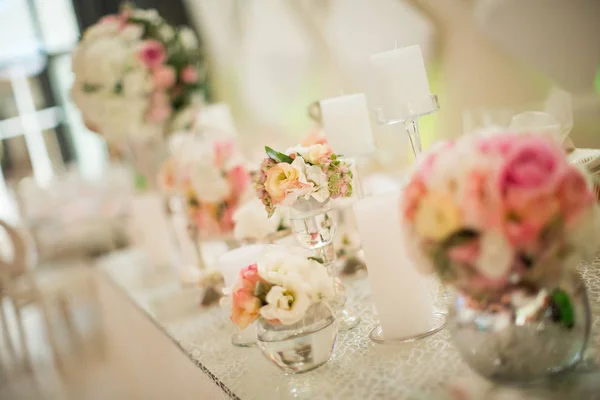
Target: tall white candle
(403, 302)
(218, 117)
(347, 125)
(400, 82)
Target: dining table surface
(430, 368)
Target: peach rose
(245, 308)
(280, 179)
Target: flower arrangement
(306, 173)
(137, 76)
(279, 288)
(209, 174)
(489, 211)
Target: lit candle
(400, 84)
(347, 125)
(218, 117)
(400, 293)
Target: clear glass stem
(412, 128)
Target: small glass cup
(302, 346)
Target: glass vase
(526, 334)
(314, 226)
(302, 346)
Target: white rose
(252, 221)
(495, 256)
(281, 267)
(132, 32)
(311, 154)
(209, 184)
(188, 38)
(316, 175)
(136, 83)
(166, 32)
(105, 62)
(99, 30)
(288, 305)
(148, 15)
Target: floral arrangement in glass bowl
(136, 76)
(505, 219)
(279, 288)
(302, 173)
(492, 210)
(209, 174)
(288, 293)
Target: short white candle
(347, 125)
(400, 82)
(231, 262)
(400, 293)
(218, 117)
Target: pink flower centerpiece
(209, 174)
(488, 212)
(137, 76)
(310, 173)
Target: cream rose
(252, 222)
(287, 305)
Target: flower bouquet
(505, 219)
(302, 174)
(288, 293)
(209, 175)
(137, 77)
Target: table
(358, 369)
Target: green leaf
(562, 309)
(277, 156)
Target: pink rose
(249, 277)
(482, 206)
(245, 307)
(498, 143)
(164, 77)
(222, 150)
(239, 179)
(226, 222)
(152, 54)
(466, 253)
(315, 137)
(189, 74)
(411, 197)
(533, 168)
(574, 194)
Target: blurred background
(269, 60)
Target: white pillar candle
(400, 293)
(218, 117)
(400, 82)
(151, 228)
(347, 125)
(231, 262)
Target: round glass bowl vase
(527, 334)
(302, 346)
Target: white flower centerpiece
(138, 79)
(288, 292)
